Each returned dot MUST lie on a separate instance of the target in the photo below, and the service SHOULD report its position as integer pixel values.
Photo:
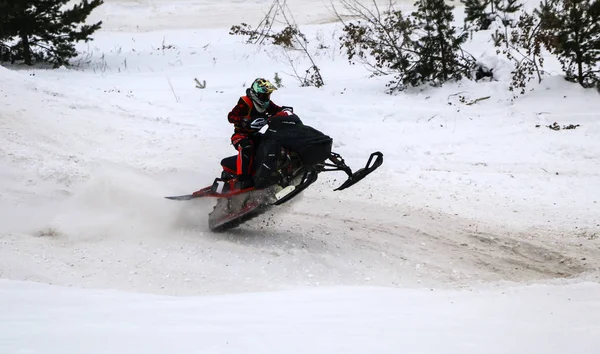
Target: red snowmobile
(288, 160)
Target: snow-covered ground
(153, 15)
(469, 196)
(36, 318)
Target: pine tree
(439, 48)
(506, 7)
(43, 31)
(572, 30)
(416, 49)
(476, 13)
(6, 19)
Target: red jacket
(245, 110)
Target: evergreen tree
(6, 11)
(477, 12)
(6, 15)
(572, 30)
(43, 31)
(506, 7)
(417, 49)
(440, 55)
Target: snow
(481, 229)
(540, 319)
(152, 15)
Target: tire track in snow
(116, 231)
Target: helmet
(260, 93)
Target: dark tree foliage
(417, 49)
(440, 55)
(569, 29)
(482, 13)
(507, 6)
(286, 38)
(6, 18)
(573, 35)
(476, 13)
(383, 44)
(43, 31)
(523, 45)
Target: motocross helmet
(260, 93)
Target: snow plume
(115, 201)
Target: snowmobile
(288, 159)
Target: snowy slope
(538, 319)
(152, 15)
(468, 194)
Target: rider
(248, 117)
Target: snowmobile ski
(363, 172)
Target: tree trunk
(579, 56)
(443, 55)
(580, 67)
(26, 49)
